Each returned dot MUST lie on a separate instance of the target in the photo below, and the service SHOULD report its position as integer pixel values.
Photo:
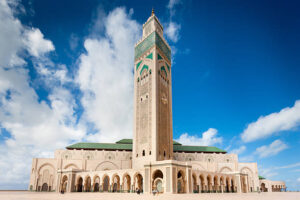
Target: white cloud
(36, 127)
(270, 150)
(287, 119)
(289, 166)
(172, 31)
(298, 179)
(267, 172)
(171, 6)
(36, 44)
(10, 37)
(208, 138)
(248, 158)
(105, 77)
(239, 150)
(172, 28)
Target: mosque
(152, 160)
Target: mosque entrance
(105, 184)
(180, 182)
(45, 187)
(79, 185)
(157, 178)
(139, 182)
(64, 184)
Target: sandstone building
(151, 160)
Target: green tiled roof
(176, 143)
(107, 146)
(261, 177)
(129, 141)
(124, 141)
(183, 148)
(126, 144)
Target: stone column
(92, 185)
(69, 183)
(238, 182)
(247, 184)
(172, 182)
(57, 183)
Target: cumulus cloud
(171, 6)
(10, 37)
(35, 42)
(272, 149)
(172, 31)
(172, 28)
(105, 77)
(36, 127)
(208, 138)
(239, 150)
(287, 119)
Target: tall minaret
(153, 134)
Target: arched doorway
(45, 187)
(227, 187)
(126, 183)
(180, 182)
(79, 184)
(263, 187)
(195, 186)
(116, 183)
(202, 183)
(222, 184)
(233, 186)
(88, 182)
(209, 183)
(138, 182)
(157, 183)
(216, 184)
(243, 184)
(106, 184)
(96, 184)
(64, 183)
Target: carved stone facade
(152, 160)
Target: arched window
(143, 152)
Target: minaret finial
(152, 11)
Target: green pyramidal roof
(261, 177)
(126, 145)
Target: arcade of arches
(198, 182)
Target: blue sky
(66, 76)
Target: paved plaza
(24, 195)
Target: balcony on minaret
(152, 24)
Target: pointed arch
(145, 67)
(106, 165)
(71, 165)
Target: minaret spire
(152, 11)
